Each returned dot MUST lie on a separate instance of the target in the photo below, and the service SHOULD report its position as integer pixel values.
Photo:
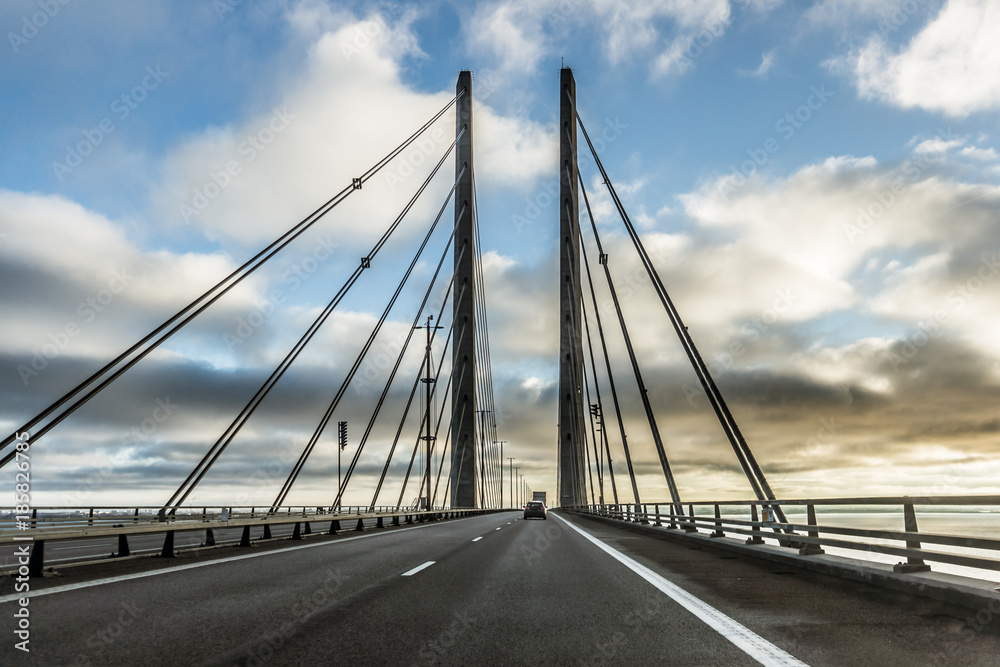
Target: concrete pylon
(463, 393)
(572, 430)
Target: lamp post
(428, 380)
(342, 437)
(512, 501)
(502, 443)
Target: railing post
(123, 549)
(209, 538)
(689, 527)
(245, 537)
(168, 545)
(90, 519)
(755, 538)
(37, 559)
(267, 531)
(297, 531)
(912, 564)
(657, 519)
(810, 548)
(334, 526)
(718, 532)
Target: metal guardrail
(30, 532)
(810, 536)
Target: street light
(342, 441)
(502, 442)
(512, 501)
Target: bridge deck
(525, 592)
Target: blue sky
(842, 152)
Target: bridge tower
(572, 429)
(463, 393)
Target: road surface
(492, 589)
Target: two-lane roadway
(493, 589)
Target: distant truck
(539, 495)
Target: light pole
(517, 474)
(512, 501)
(342, 437)
(482, 457)
(428, 380)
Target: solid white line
(412, 572)
(191, 566)
(477, 539)
(748, 641)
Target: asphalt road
(485, 590)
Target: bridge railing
(807, 533)
(32, 530)
(44, 519)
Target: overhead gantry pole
(572, 430)
(463, 393)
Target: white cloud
(950, 66)
(520, 34)
(343, 114)
(984, 154)
(93, 280)
(814, 229)
(841, 12)
(937, 145)
(511, 32)
(766, 63)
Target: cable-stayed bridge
(414, 555)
